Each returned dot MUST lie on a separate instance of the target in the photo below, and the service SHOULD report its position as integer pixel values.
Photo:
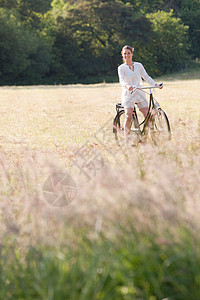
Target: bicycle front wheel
(160, 127)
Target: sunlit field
(130, 229)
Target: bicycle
(156, 122)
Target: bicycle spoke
(159, 126)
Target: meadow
(131, 230)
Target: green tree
(24, 54)
(26, 6)
(14, 47)
(8, 4)
(174, 5)
(190, 15)
(29, 11)
(145, 6)
(100, 29)
(170, 42)
(65, 63)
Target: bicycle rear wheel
(119, 131)
(159, 127)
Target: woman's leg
(144, 111)
(127, 123)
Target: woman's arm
(146, 77)
(122, 79)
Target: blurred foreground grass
(132, 231)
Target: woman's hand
(130, 87)
(160, 85)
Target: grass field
(132, 230)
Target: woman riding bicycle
(130, 76)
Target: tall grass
(132, 231)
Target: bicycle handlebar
(147, 87)
(152, 87)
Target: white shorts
(131, 104)
(137, 98)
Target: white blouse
(133, 78)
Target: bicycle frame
(151, 104)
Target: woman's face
(127, 55)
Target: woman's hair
(128, 47)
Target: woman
(130, 76)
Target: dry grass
(56, 118)
(43, 127)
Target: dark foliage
(63, 41)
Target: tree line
(70, 41)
